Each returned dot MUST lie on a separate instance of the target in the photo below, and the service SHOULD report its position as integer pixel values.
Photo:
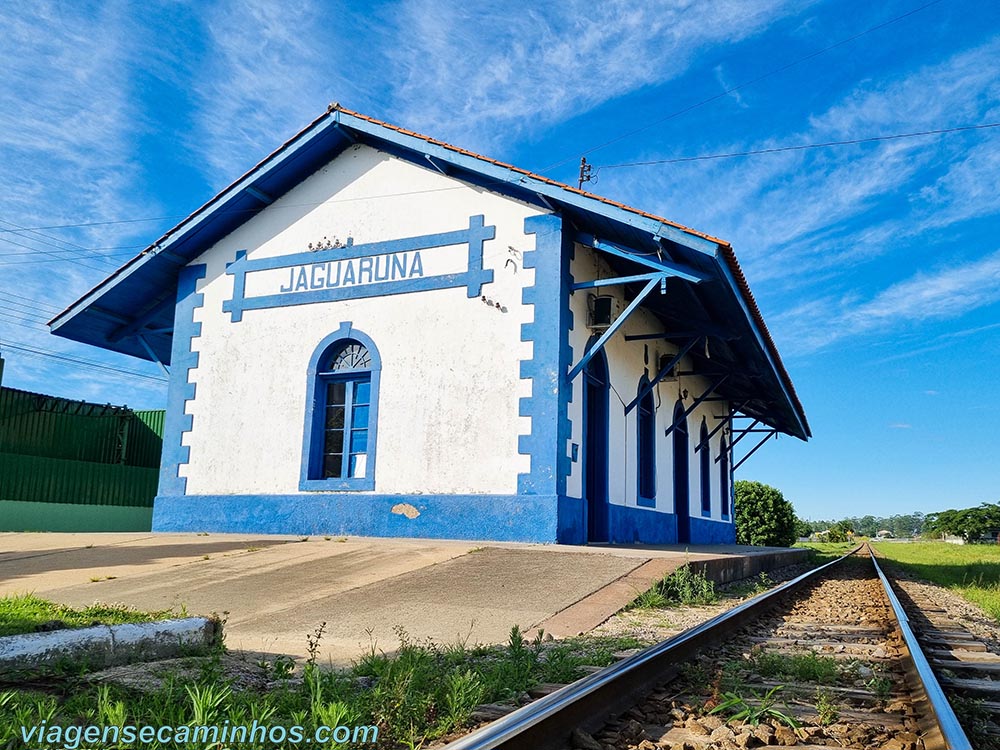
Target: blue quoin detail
(547, 443)
(180, 390)
(318, 289)
(515, 518)
(312, 442)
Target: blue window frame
(706, 471)
(342, 413)
(724, 492)
(646, 452)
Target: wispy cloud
(479, 74)
(795, 215)
(269, 68)
(67, 133)
(948, 293)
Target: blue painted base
(705, 531)
(511, 518)
(638, 526)
(641, 526)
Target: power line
(32, 351)
(803, 147)
(20, 232)
(726, 92)
(32, 300)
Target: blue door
(595, 454)
(682, 483)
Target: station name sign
(412, 264)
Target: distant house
(374, 332)
(885, 534)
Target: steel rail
(924, 682)
(589, 702)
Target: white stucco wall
(626, 367)
(450, 383)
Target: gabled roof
(131, 311)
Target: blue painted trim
(180, 390)
(710, 531)
(640, 500)
(546, 444)
(642, 526)
(312, 440)
(514, 518)
(473, 278)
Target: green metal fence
(53, 450)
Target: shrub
(763, 517)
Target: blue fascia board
(224, 210)
(763, 348)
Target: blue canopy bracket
(660, 269)
(654, 280)
(662, 373)
(152, 354)
(770, 433)
(694, 405)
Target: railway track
(828, 659)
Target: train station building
(373, 332)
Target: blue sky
(877, 265)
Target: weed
(730, 678)
(881, 686)
(762, 583)
(650, 599)
(206, 557)
(303, 539)
(463, 691)
(696, 674)
(753, 712)
(328, 538)
(313, 641)
(684, 586)
(826, 709)
(806, 667)
(253, 549)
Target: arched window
(724, 476)
(341, 418)
(646, 453)
(706, 470)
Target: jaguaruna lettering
(354, 271)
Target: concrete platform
(276, 589)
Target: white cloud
(946, 294)
(478, 74)
(270, 68)
(68, 134)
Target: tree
(763, 517)
(972, 524)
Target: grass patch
(824, 552)
(416, 694)
(970, 570)
(805, 667)
(684, 586)
(26, 613)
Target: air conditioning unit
(664, 360)
(603, 310)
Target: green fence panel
(44, 479)
(39, 425)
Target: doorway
(595, 453)
(682, 484)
